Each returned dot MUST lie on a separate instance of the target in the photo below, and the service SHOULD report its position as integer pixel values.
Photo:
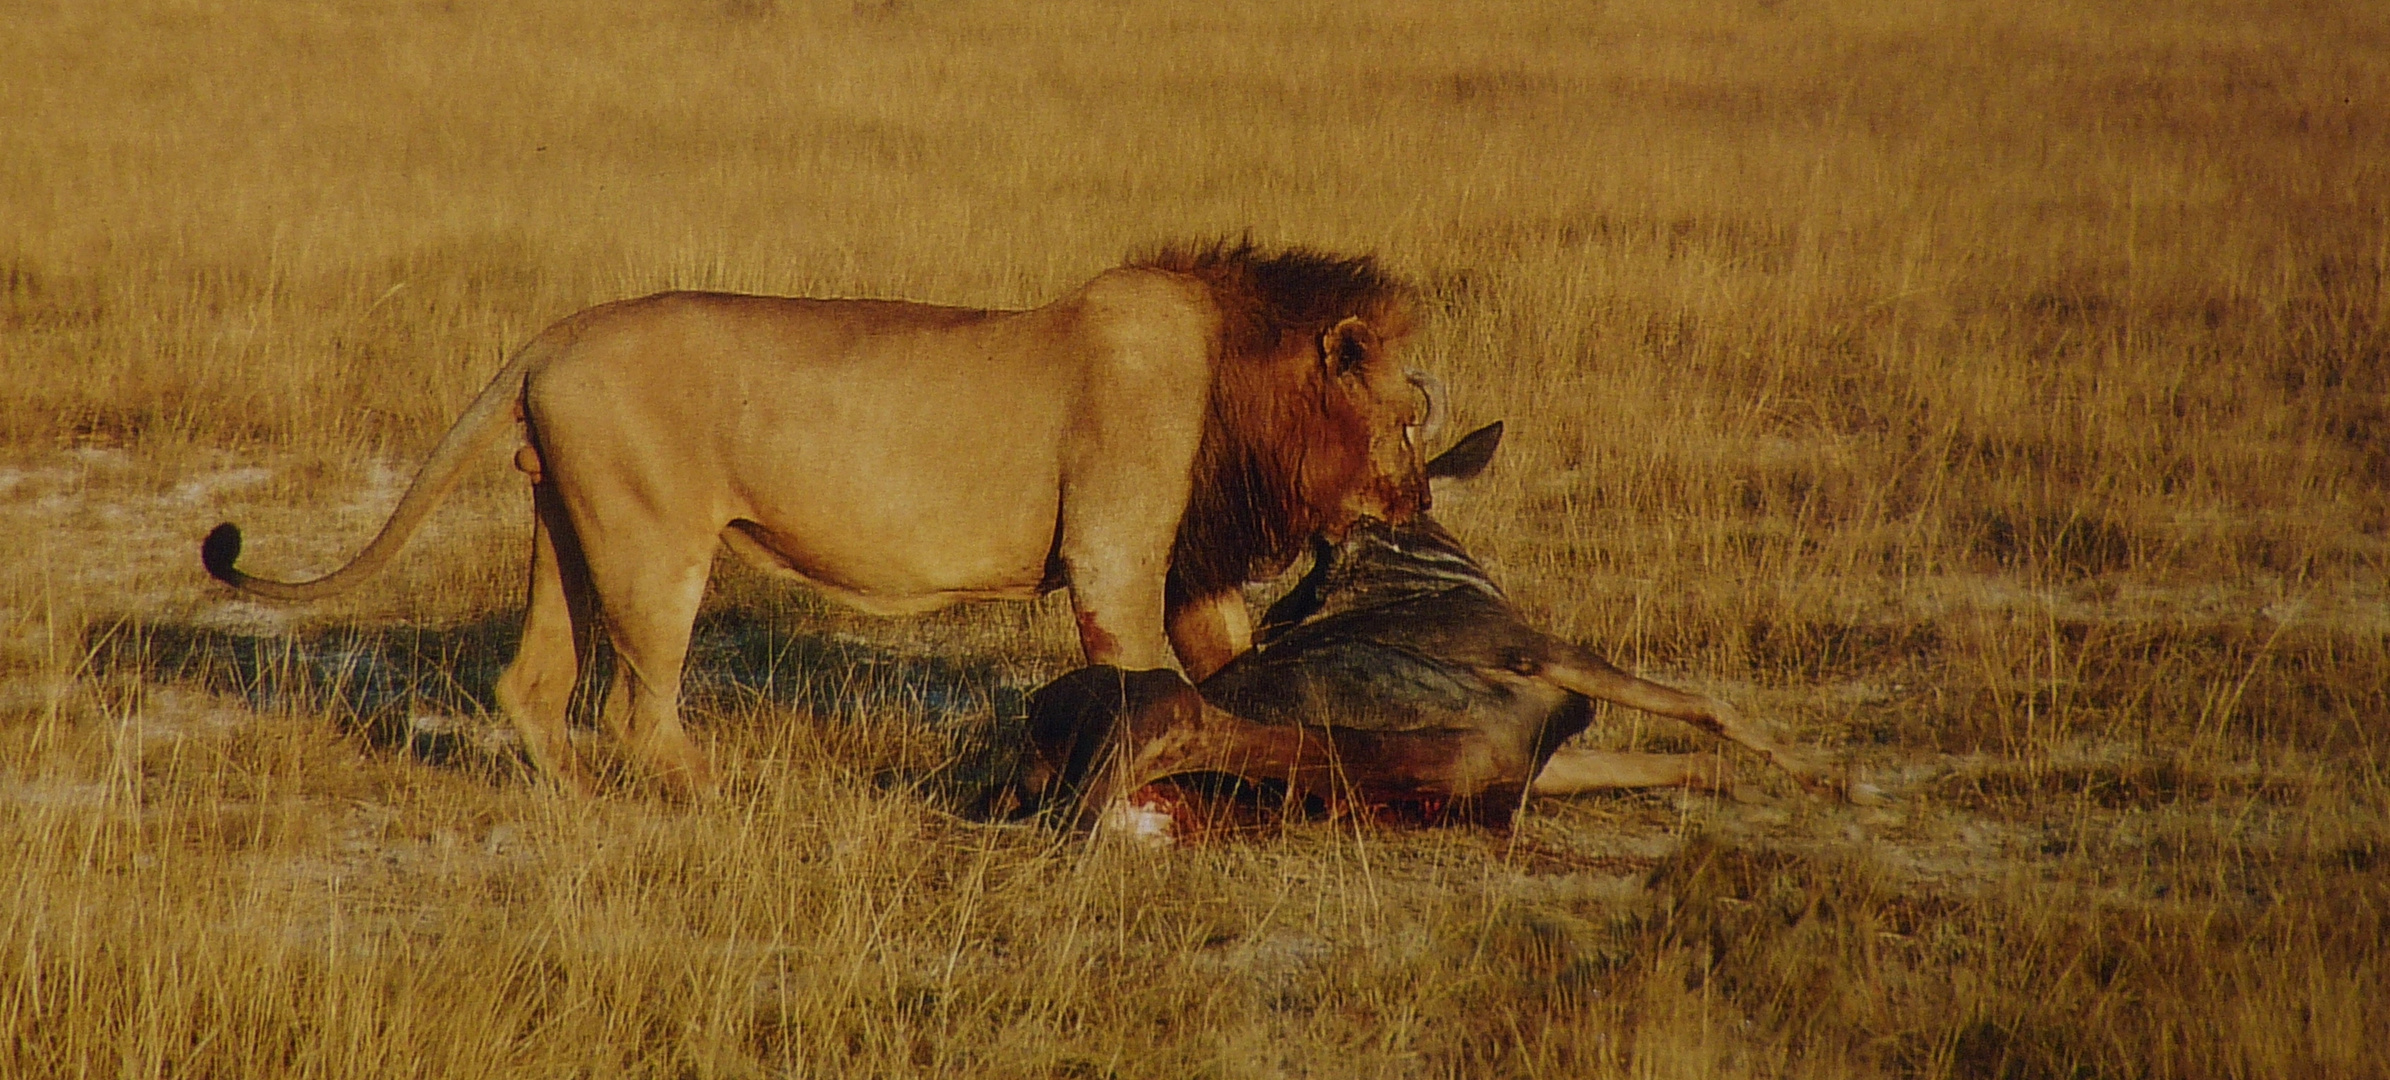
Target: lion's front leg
(1117, 529)
(1128, 468)
(1209, 631)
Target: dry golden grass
(1998, 395)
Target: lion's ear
(1347, 345)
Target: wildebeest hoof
(1844, 786)
(1860, 793)
(1139, 822)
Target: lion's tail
(490, 414)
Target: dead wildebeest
(1394, 679)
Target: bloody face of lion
(1313, 417)
(1375, 410)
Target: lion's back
(879, 447)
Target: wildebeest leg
(1585, 672)
(1209, 631)
(1136, 729)
(1338, 764)
(557, 625)
(1579, 669)
(1573, 771)
(649, 596)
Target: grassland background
(1996, 394)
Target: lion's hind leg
(650, 593)
(558, 619)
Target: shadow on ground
(401, 688)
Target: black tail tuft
(220, 550)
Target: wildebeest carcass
(1395, 679)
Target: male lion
(1150, 441)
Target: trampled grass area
(1999, 398)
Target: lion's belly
(880, 566)
(899, 458)
(906, 497)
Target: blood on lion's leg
(1118, 602)
(537, 686)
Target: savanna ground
(1995, 395)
